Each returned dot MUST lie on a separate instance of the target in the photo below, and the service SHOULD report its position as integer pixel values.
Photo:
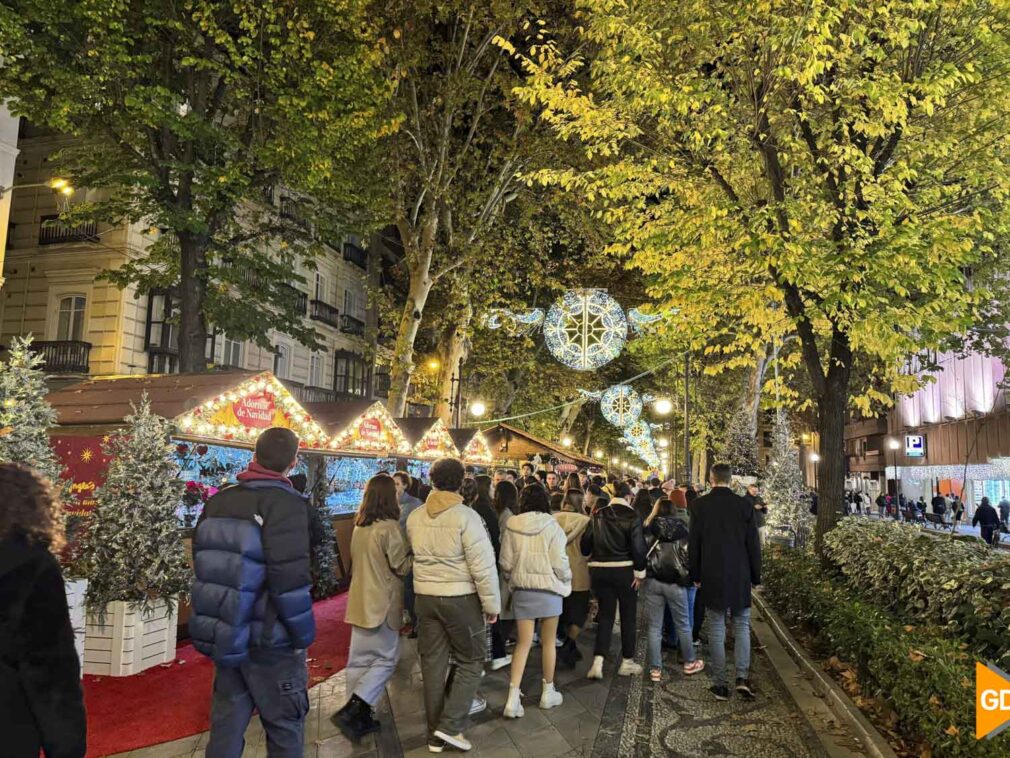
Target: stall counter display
(419, 469)
(346, 480)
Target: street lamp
(598, 454)
(893, 445)
(433, 364)
(814, 458)
(663, 406)
(567, 441)
(58, 184)
(664, 442)
(477, 408)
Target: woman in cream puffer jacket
(534, 562)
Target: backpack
(668, 562)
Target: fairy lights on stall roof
(477, 450)
(436, 443)
(374, 431)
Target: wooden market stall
(511, 446)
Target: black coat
(614, 535)
(41, 703)
(986, 516)
(725, 551)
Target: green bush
(961, 586)
(921, 672)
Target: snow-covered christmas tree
(25, 416)
(134, 552)
(324, 577)
(739, 447)
(784, 490)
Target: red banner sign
(370, 429)
(84, 467)
(255, 411)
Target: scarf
(257, 473)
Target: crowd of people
(470, 565)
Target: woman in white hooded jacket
(535, 565)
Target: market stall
(430, 440)
(512, 447)
(474, 448)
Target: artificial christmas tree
(784, 489)
(134, 553)
(25, 416)
(740, 447)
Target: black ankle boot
(351, 718)
(567, 653)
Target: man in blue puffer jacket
(252, 607)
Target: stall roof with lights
(436, 442)
(231, 407)
(509, 443)
(372, 432)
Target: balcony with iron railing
(52, 231)
(318, 395)
(351, 325)
(301, 299)
(324, 313)
(355, 255)
(64, 356)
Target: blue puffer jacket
(253, 579)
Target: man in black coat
(988, 518)
(725, 556)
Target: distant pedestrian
(753, 496)
(1004, 513)
(575, 607)
(643, 503)
(381, 558)
(655, 490)
(989, 521)
(615, 545)
(456, 583)
(725, 559)
(41, 703)
(535, 564)
(408, 503)
(252, 544)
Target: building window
(316, 370)
(282, 361)
(231, 352)
(70, 318)
(354, 305)
(162, 332)
(350, 374)
(321, 292)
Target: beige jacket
(533, 554)
(452, 551)
(574, 524)
(379, 559)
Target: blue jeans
(658, 596)
(716, 626)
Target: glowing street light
(663, 406)
(814, 457)
(477, 408)
(433, 364)
(893, 444)
(598, 454)
(567, 441)
(615, 460)
(664, 442)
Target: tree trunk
(590, 423)
(453, 349)
(570, 414)
(830, 469)
(192, 297)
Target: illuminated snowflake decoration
(585, 329)
(621, 405)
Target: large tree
(827, 169)
(187, 114)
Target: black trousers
(612, 587)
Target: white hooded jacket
(533, 554)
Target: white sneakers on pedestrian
(550, 698)
(500, 663)
(458, 741)
(694, 667)
(629, 668)
(596, 670)
(513, 706)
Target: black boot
(350, 718)
(567, 653)
(368, 721)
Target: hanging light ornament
(585, 329)
(621, 405)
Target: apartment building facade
(83, 325)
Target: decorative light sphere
(585, 329)
(567, 441)
(663, 406)
(621, 405)
(477, 409)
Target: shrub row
(962, 586)
(923, 674)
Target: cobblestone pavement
(614, 717)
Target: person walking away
(1004, 513)
(381, 559)
(668, 572)
(957, 512)
(575, 607)
(753, 496)
(456, 586)
(725, 559)
(506, 505)
(573, 483)
(252, 602)
(408, 503)
(989, 521)
(481, 503)
(616, 548)
(655, 490)
(642, 503)
(535, 564)
(41, 703)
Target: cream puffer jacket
(452, 551)
(533, 554)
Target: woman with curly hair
(41, 704)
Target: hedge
(961, 586)
(922, 673)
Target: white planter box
(75, 603)
(129, 642)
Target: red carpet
(166, 703)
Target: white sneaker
(629, 668)
(596, 670)
(479, 705)
(513, 705)
(458, 741)
(550, 698)
(558, 643)
(500, 663)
